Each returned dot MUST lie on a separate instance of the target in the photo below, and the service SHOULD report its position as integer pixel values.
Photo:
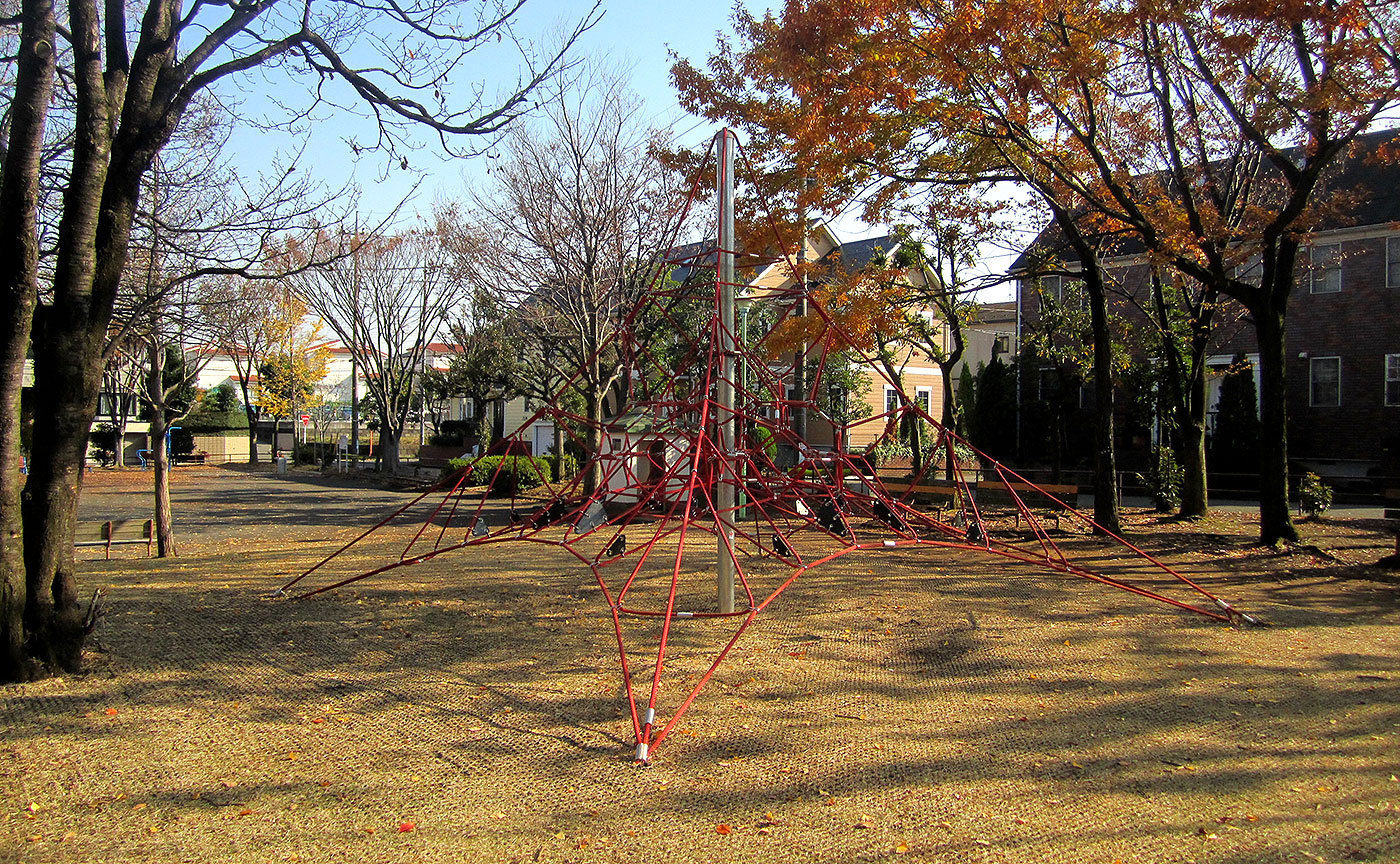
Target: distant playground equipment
(707, 502)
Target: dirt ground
(922, 705)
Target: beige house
(920, 375)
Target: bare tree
(133, 71)
(573, 231)
(386, 298)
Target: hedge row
(510, 474)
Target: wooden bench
(1003, 495)
(943, 496)
(188, 459)
(115, 532)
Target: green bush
(505, 474)
(1314, 496)
(1163, 480)
(567, 470)
(101, 440)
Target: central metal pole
(724, 285)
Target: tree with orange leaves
(1202, 132)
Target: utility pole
(354, 347)
(724, 491)
(799, 369)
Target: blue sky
(633, 35)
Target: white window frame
(1321, 269)
(923, 397)
(891, 399)
(1392, 376)
(1392, 261)
(1312, 383)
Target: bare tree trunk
(1105, 461)
(1195, 499)
(160, 454)
(950, 417)
(389, 451)
(65, 392)
(1275, 517)
(558, 451)
(593, 441)
(19, 249)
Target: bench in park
(994, 495)
(1005, 494)
(115, 532)
(940, 496)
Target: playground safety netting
(679, 481)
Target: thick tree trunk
(949, 421)
(1275, 517)
(19, 249)
(1195, 500)
(65, 394)
(1105, 461)
(389, 451)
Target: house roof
(995, 313)
(857, 254)
(1368, 175)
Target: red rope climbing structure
(651, 527)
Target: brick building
(1343, 326)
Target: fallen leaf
(901, 848)
(405, 827)
(111, 712)
(722, 828)
(245, 812)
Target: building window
(1392, 379)
(1251, 270)
(117, 405)
(891, 399)
(1325, 381)
(1392, 262)
(923, 397)
(1326, 262)
(1088, 396)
